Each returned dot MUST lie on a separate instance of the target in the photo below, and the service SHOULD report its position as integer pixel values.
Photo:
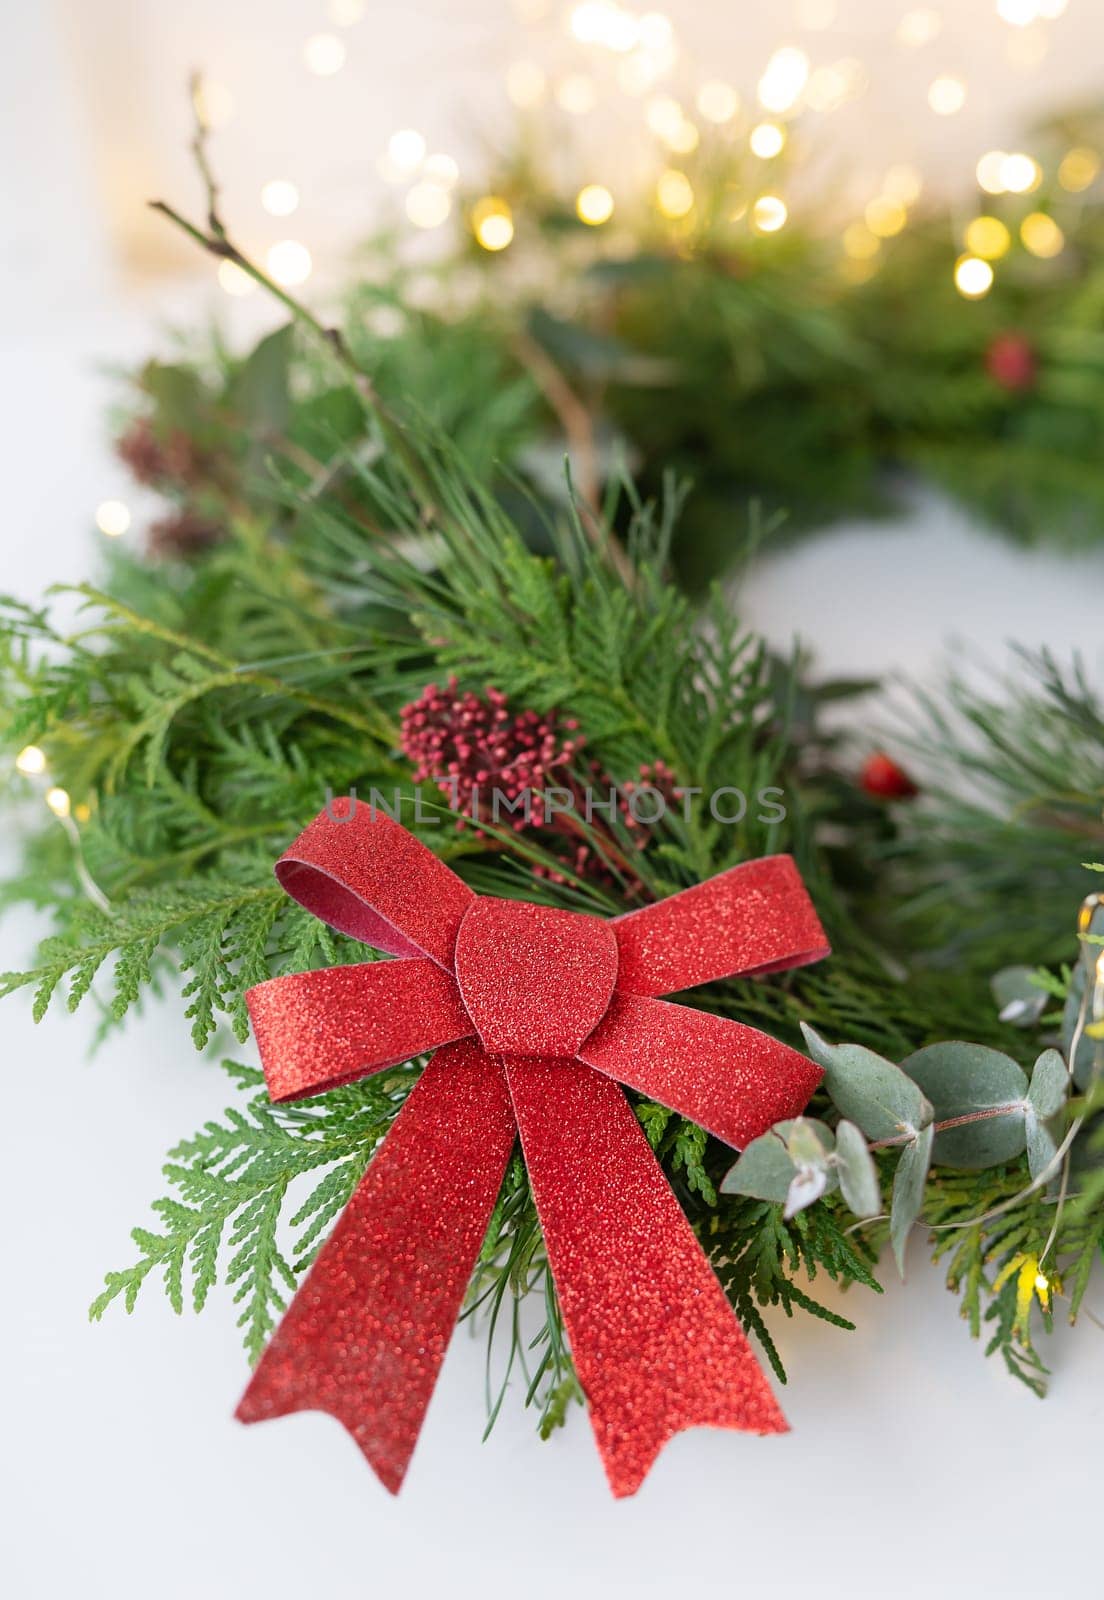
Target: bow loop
(367, 876)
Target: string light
(946, 95)
(406, 150)
(990, 171)
(492, 222)
(859, 243)
(767, 139)
(1042, 235)
(1018, 13)
(1020, 174)
(918, 28)
(768, 214)
(280, 198)
(234, 279)
(428, 205)
(674, 193)
(324, 54)
(31, 761)
(973, 277)
(576, 94)
(345, 13)
(289, 263)
(988, 237)
(113, 518)
(526, 84)
(1078, 169)
(594, 204)
(784, 77)
(664, 117)
(718, 102)
(885, 216)
(602, 23)
(58, 802)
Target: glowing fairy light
(492, 222)
(784, 77)
(768, 214)
(973, 278)
(113, 518)
(830, 87)
(903, 183)
(1078, 169)
(946, 95)
(234, 279)
(919, 27)
(576, 94)
(885, 216)
(1020, 173)
(767, 140)
(289, 263)
(859, 243)
(1018, 13)
(990, 171)
(664, 117)
(718, 102)
(594, 204)
(988, 238)
(526, 84)
(674, 194)
(58, 802)
(279, 197)
(31, 761)
(1041, 235)
(428, 205)
(600, 22)
(406, 150)
(324, 54)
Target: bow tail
(655, 1342)
(366, 1333)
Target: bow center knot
(534, 980)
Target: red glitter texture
(655, 1343)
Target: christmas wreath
(349, 621)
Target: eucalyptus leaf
(962, 1080)
(1049, 1084)
(810, 1143)
(908, 1192)
(858, 1176)
(764, 1171)
(806, 1186)
(1019, 997)
(1041, 1145)
(868, 1089)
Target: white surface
(913, 1467)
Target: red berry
(884, 779)
(1011, 362)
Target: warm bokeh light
(289, 263)
(903, 183)
(919, 27)
(1042, 235)
(594, 204)
(987, 237)
(1020, 173)
(526, 84)
(604, 23)
(324, 54)
(718, 102)
(885, 216)
(767, 139)
(214, 103)
(441, 170)
(31, 761)
(279, 197)
(665, 117)
(973, 277)
(990, 169)
(113, 518)
(784, 77)
(234, 279)
(492, 222)
(345, 13)
(58, 801)
(428, 205)
(946, 95)
(674, 193)
(406, 150)
(768, 214)
(859, 243)
(576, 94)
(1018, 13)
(1078, 169)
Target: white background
(913, 1465)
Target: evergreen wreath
(347, 602)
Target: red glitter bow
(533, 1013)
